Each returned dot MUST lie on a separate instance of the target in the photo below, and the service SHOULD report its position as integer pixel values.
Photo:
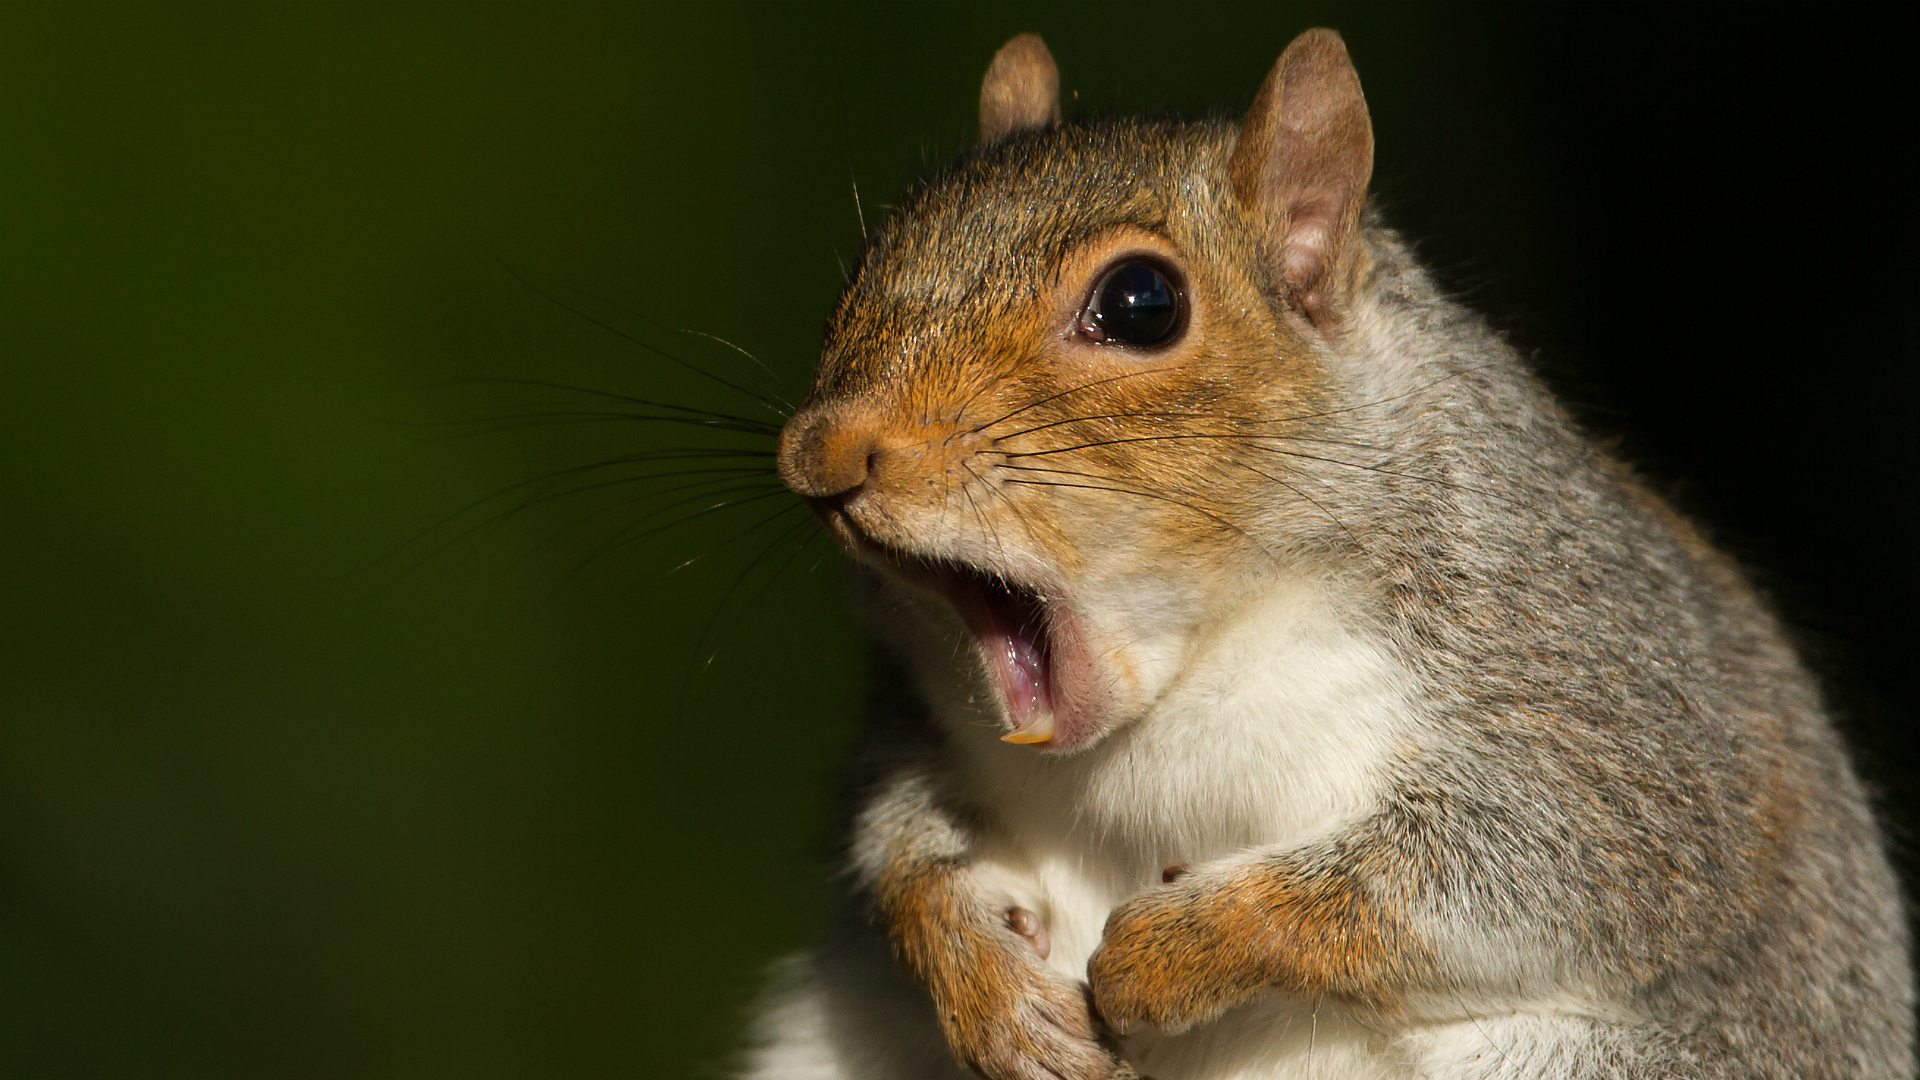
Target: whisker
(703, 489)
(1421, 389)
(1253, 438)
(706, 631)
(762, 399)
(735, 538)
(624, 537)
(522, 421)
(1255, 441)
(625, 459)
(1122, 440)
(1058, 396)
(815, 568)
(1222, 417)
(549, 479)
(1468, 488)
(985, 525)
(1146, 495)
(1045, 469)
(1488, 1039)
(1272, 420)
(627, 536)
(1026, 524)
(544, 384)
(859, 210)
(756, 361)
(1317, 504)
(731, 475)
(494, 522)
(686, 331)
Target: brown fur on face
(996, 435)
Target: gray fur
(1628, 829)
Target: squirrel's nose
(826, 456)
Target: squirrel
(1287, 686)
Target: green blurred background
(298, 778)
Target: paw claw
(1028, 925)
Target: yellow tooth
(1033, 734)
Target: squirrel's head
(1054, 399)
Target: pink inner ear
(1308, 247)
(1302, 163)
(1303, 258)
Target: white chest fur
(1276, 732)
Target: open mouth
(1015, 627)
(1028, 638)
(1010, 622)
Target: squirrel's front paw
(1013, 1018)
(1170, 958)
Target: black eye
(1135, 303)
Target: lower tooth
(1037, 729)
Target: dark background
(287, 789)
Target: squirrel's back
(1644, 681)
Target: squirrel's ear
(1021, 91)
(1301, 166)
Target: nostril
(826, 457)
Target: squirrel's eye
(1135, 303)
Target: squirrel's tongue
(1011, 624)
(1014, 640)
(1021, 666)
